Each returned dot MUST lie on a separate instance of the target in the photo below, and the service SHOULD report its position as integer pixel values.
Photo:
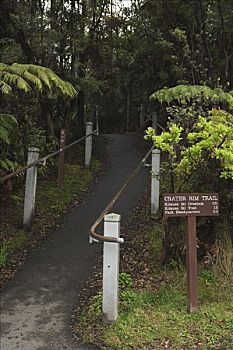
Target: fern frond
(26, 76)
(7, 164)
(48, 79)
(64, 86)
(5, 88)
(36, 71)
(15, 80)
(4, 135)
(184, 93)
(7, 123)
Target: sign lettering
(191, 204)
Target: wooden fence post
(155, 170)
(30, 189)
(61, 162)
(191, 262)
(111, 259)
(88, 145)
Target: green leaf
(184, 93)
(27, 76)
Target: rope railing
(43, 159)
(101, 238)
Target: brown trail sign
(191, 205)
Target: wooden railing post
(111, 259)
(88, 145)
(61, 162)
(191, 262)
(30, 189)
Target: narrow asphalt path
(36, 306)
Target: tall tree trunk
(203, 9)
(223, 40)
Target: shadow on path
(36, 305)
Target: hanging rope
(43, 159)
(101, 238)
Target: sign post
(191, 263)
(191, 205)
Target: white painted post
(155, 121)
(111, 261)
(142, 122)
(155, 170)
(88, 145)
(30, 189)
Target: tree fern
(26, 76)
(185, 93)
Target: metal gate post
(111, 261)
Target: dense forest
(63, 59)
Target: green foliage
(198, 156)
(211, 138)
(95, 309)
(5, 88)
(126, 294)
(222, 255)
(125, 281)
(185, 93)
(159, 318)
(168, 140)
(50, 203)
(16, 242)
(7, 123)
(26, 76)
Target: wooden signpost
(191, 205)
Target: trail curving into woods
(37, 304)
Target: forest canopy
(116, 55)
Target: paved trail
(36, 305)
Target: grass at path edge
(157, 317)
